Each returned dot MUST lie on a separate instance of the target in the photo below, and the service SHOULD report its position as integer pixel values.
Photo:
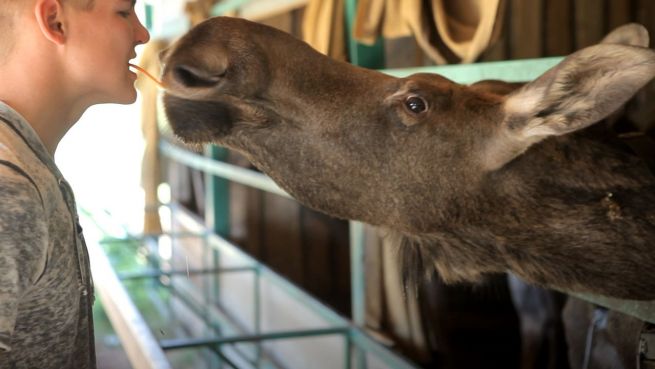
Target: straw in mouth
(142, 70)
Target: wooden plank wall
(541, 28)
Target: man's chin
(125, 98)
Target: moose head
(477, 179)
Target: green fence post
(148, 20)
(217, 218)
(362, 55)
(217, 201)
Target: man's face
(101, 43)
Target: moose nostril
(194, 77)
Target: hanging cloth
(323, 27)
(448, 31)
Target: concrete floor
(111, 357)
(109, 352)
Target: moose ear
(630, 34)
(584, 88)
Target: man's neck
(28, 89)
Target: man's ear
(584, 88)
(50, 16)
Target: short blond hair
(9, 10)
(8, 13)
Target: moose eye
(416, 104)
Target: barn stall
(231, 272)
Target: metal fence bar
(358, 268)
(154, 273)
(145, 237)
(325, 312)
(644, 310)
(138, 341)
(181, 343)
(232, 172)
(358, 285)
(361, 340)
(228, 6)
(258, 311)
(511, 70)
(211, 313)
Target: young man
(57, 58)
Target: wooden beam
(257, 10)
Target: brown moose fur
(489, 178)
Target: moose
(476, 179)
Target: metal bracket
(647, 348)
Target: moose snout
(194, 77)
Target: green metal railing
(148, 352)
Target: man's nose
(142, 34)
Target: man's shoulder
(15, 159)
(8, 149)
(12, 146)
(21, 172)
(18, 188)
